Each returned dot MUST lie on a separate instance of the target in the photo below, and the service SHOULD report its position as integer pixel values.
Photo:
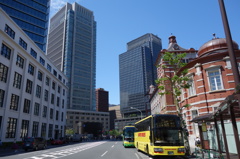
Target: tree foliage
(174, 82)
(69, 132)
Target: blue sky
(119, 21)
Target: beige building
(77, 118)
(33, 92)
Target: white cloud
(58, 4)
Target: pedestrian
(197, 142)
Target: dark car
(56, 142)
(34, 143)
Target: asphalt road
(86, 150)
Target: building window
(60, 77)
(59, 89)
(57, 115)
(17, 80)
(43, 130)
(40, 75)
(44, 111)
(9, 31)
(62, 116)
(58, 101)
(42, 61)
(20, 61)
(50, 130)
(215, 79)
(6, 51)
(53, 85)
(35, 129)
(52, 99)
(191, 90)
(46, 95)
(30, 69)
(2, 93)
(23, 43)
(38, 91)
(63, 103)
(51, 113)
(14, 102)
(55, 73)
(11, 128)
(36, 109)
(24, 128)
(49, 67)
(47, 81)
(29, 86)
(33, 53)
(63, 92)
(26, 107)
(3, 72)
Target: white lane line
(115, 142)
(137, 155)
(104, 154)
(112, 146)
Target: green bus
(128, 136)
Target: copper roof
(215, 44)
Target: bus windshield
(168, 137)
(128, 132)
(167, 131)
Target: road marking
(112, 145)
(104, 153)
(137, 155)
(65, 152)
(115, 142)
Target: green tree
(173, 84)
(114, 132)
(69, 132)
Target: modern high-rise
(137, 73)
(72, 48)
(32, 16)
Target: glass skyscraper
(137, 72)
(72, 48)
(32, 16)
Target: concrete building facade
(33, 92)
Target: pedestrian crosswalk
(65, 152)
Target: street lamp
(234, 69)
(138, 110)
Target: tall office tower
(102, 100)
(32, 16)
(72, 48)
(137, 73)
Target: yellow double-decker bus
(160, 134)
(128, 136)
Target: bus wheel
(147, 151)
(137, 147)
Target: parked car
(56, 142)
(34, 143)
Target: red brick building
(211, 80)
(165, 104)
(102, 102)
